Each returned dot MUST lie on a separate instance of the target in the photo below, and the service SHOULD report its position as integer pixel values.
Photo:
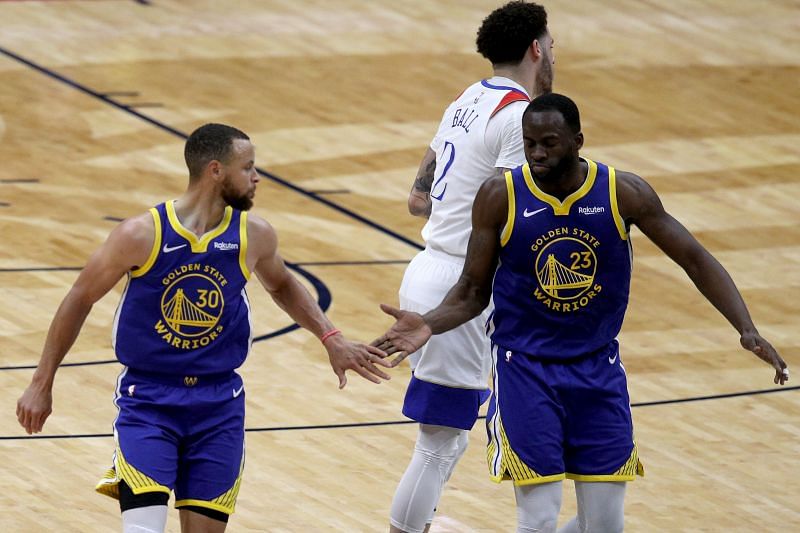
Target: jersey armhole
(505, 235)
(243, 244)
(142, 270)
(612, 191)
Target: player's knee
(440, 447)
(538, 507)
(129, 500)
(440, 441)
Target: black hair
(508, 31)
(207, 143)
(560, 103)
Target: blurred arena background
(341, 97)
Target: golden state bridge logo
(566, 265)
(191, 306)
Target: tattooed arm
(419, 199)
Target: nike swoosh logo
(613, 360)
(527, 213)
(167, 248)
(237, 392)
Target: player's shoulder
(629, 183)
(262, 239)
(257, 225)
(496, 186)
(138, 228)
(261, 235)
(634, 195)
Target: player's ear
(579, 140)
(215, 170)
(536, 50)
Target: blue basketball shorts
(183, 434)
(431, 403)
(550, 420)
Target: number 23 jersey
(185, 311)
(563, 278)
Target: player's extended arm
(471, 293)
(128, 246)
(292, 297)
(639, 204)
(419, 199)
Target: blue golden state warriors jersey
(562, 283)
(185, 311)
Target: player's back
(480, 132)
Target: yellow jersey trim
(199, 245)
(612, 191)
(609, 477)
(225, 502)
(539, 480)
(559, 207)
(142, 270)
(627, 472)
(205, 504)
(505, 235)
(511, 465)
(138, 482)
(243, 244)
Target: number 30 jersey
(185, 311)
(469, 149)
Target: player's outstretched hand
(360, 358)
(764, 350)
(33, 407)
(406, 336)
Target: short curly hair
(508, 31)
(207, 143)
(556, 102)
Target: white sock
(150, 519)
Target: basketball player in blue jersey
(479, 136)
(550, 244)
(181, 330)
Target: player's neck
(564, 180)
(523, 74)
(199, 211)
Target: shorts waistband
(602, 351)
(176, 380)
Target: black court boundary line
(40, 269)
(404, 422)
(324, 299)
(296, 264)
(169, 129)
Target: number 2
(444, 172)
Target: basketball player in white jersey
(480, 136)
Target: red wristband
(328, 334)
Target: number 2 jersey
(563, 278)
(185, 311)
(469, 149)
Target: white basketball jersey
(469, 149)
